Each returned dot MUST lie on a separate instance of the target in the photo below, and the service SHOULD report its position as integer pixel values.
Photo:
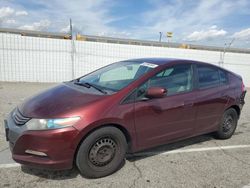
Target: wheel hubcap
(228, 124)
(102, 152)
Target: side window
(223, 77)
(208, 76)
(175, 79)
(130, 98)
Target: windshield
(116, 76)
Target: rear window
(208, 76)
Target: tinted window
(175, 79)
(208, 76)
(223, 77)
(130, 98)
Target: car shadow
(169, 147)
(56, 174)
(51, 174)
(73, 173)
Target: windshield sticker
(151, 65)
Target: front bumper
(59, 145)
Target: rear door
(211, 97)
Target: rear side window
(208, 76)
(223, 77)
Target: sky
(206, 22)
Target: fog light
(36, 153)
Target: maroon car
(125, 107)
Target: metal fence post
(72, 52)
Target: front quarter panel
(107, 112)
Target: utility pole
(160, 36)
(72, 50)
(70, 28)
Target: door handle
(188, 103)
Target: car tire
(228, 124)
(101, 153)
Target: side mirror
(156, 92)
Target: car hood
(59, 101)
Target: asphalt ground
(197, 162)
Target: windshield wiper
(96, 87)
(88, 85)
(82, 84)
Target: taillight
(243, 94)
(243, 88)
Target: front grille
(19, 118)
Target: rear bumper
(58, 145)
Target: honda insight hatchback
(125, 107)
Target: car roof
(158, 61)
(163, 61)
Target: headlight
(43, 124)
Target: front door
(159, 120)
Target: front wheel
(228, 124)
(101, 153)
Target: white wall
(33, 59)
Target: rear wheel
(228, 124)
(101, 153)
